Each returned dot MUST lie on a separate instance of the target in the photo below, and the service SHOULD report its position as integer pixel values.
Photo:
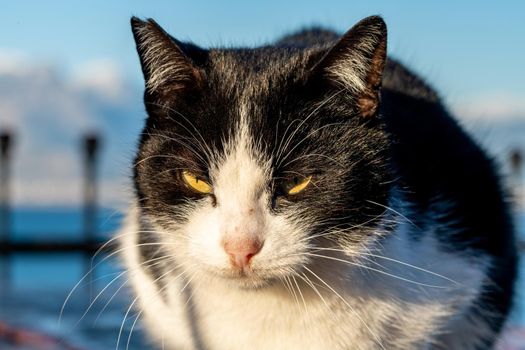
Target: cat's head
(253, 158)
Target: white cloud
(49, 112)
(64, 191)
(13, 62)
(101, 76)
(496, 106)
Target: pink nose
(241, 251)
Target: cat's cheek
(286, 243)
(203, 239)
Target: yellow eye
(298, 185)
(195, 183)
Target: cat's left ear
(356, 63)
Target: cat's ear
(356, 63)
(166, 63)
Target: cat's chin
(251, 284)
(245, 281)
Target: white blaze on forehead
(239, 181)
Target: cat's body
(326, 220)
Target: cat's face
(252, 159)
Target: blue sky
(67, 67)
(465, 47)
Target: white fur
(352, 68)
(400, 314)
(411, 294)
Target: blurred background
(71, 112)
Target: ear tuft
(357, 61)
(164, 63)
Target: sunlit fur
(367, 256)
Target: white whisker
(378, 340)
(375, 270)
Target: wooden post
(91, 147)
(5, 212)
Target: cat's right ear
(166, 63)
(356, 63)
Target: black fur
(436, 160)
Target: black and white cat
(312, 194)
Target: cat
(311, 194)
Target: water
(40, 283)
(59, 224)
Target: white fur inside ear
(348, 77)
(161, 57)
(353, 64)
